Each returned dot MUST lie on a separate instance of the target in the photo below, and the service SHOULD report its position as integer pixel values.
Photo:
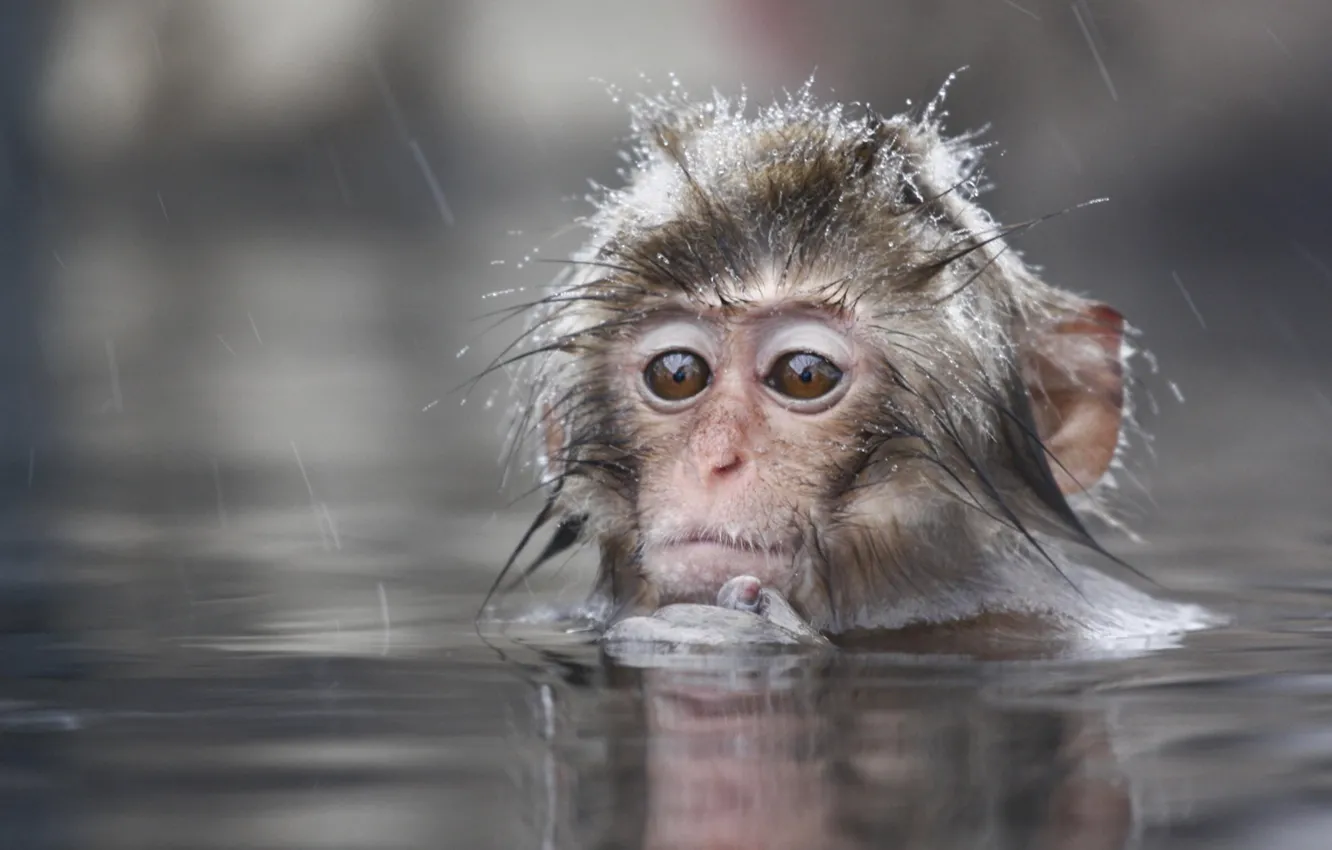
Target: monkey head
(796, 348)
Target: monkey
(795, 351)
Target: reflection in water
(848, 753)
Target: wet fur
(940, 503)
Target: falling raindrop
(1096, 54)
(1188, 299)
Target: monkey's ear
(1074, 372)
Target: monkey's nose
(719, 448)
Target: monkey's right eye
(677, 375)
(803, 376)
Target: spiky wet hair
(883, 210)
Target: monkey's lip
(725, 557)
(703, 540)
(693, 567)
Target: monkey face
(779, 436)
(838, 450)
(728, 409)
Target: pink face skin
(727, 475)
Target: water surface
(251, 685)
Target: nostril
(727, 466)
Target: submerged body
(796, 350)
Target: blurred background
(247, 247)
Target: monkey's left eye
(677, 375)
(803, 375)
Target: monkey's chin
(694, 571)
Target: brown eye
(677, 375)
(804, 376)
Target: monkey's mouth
(693, 566)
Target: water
(251, 686)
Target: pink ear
(1075, 374)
